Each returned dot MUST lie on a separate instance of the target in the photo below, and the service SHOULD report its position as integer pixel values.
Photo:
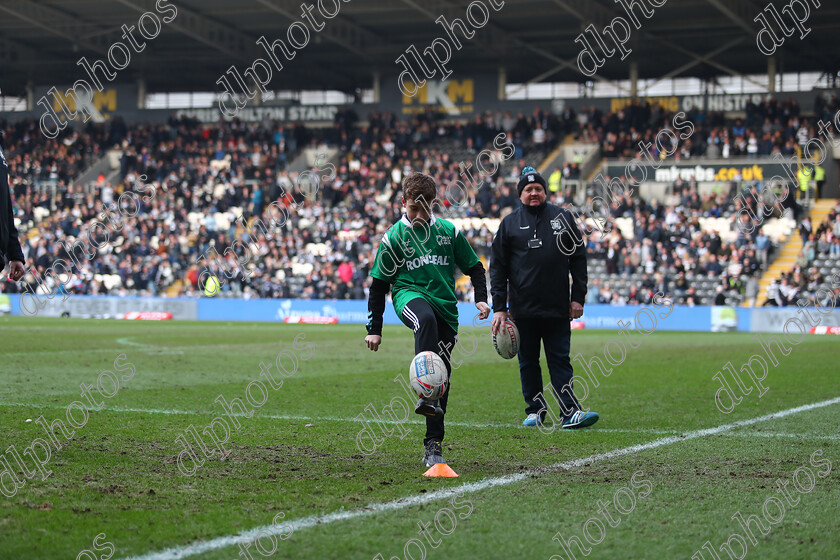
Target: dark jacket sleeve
(376, 305)
(499, 270)
(12, 249)
(577, 266)
(479, 282)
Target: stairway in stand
(789, 252)
(175, 289)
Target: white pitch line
(147, 347)
(43, 352)
(178, 552)
(331, 418)
(127, 340)
(139, 347)
(782, 435)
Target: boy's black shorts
(431, 333)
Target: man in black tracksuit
(535, 249)
(10, 251)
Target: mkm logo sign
(103, 101)
(450, 96)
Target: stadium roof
(41, 41)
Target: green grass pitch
(298, 455)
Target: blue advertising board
(678, 318)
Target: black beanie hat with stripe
(530, 175)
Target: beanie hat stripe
(530, 175)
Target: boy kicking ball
(416, 261)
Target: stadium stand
(689, 246)
(771, 126)
(817, 263)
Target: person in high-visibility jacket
(554, 180)
(819, 177)
(804, 176)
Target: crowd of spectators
(36, 162)
(193, 168)
(816, 266)
(670, 252)
(769, 127)
(205, 176)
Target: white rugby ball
(428, 376)
(506, 341)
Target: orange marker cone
(441, 469)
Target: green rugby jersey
(420, 261)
